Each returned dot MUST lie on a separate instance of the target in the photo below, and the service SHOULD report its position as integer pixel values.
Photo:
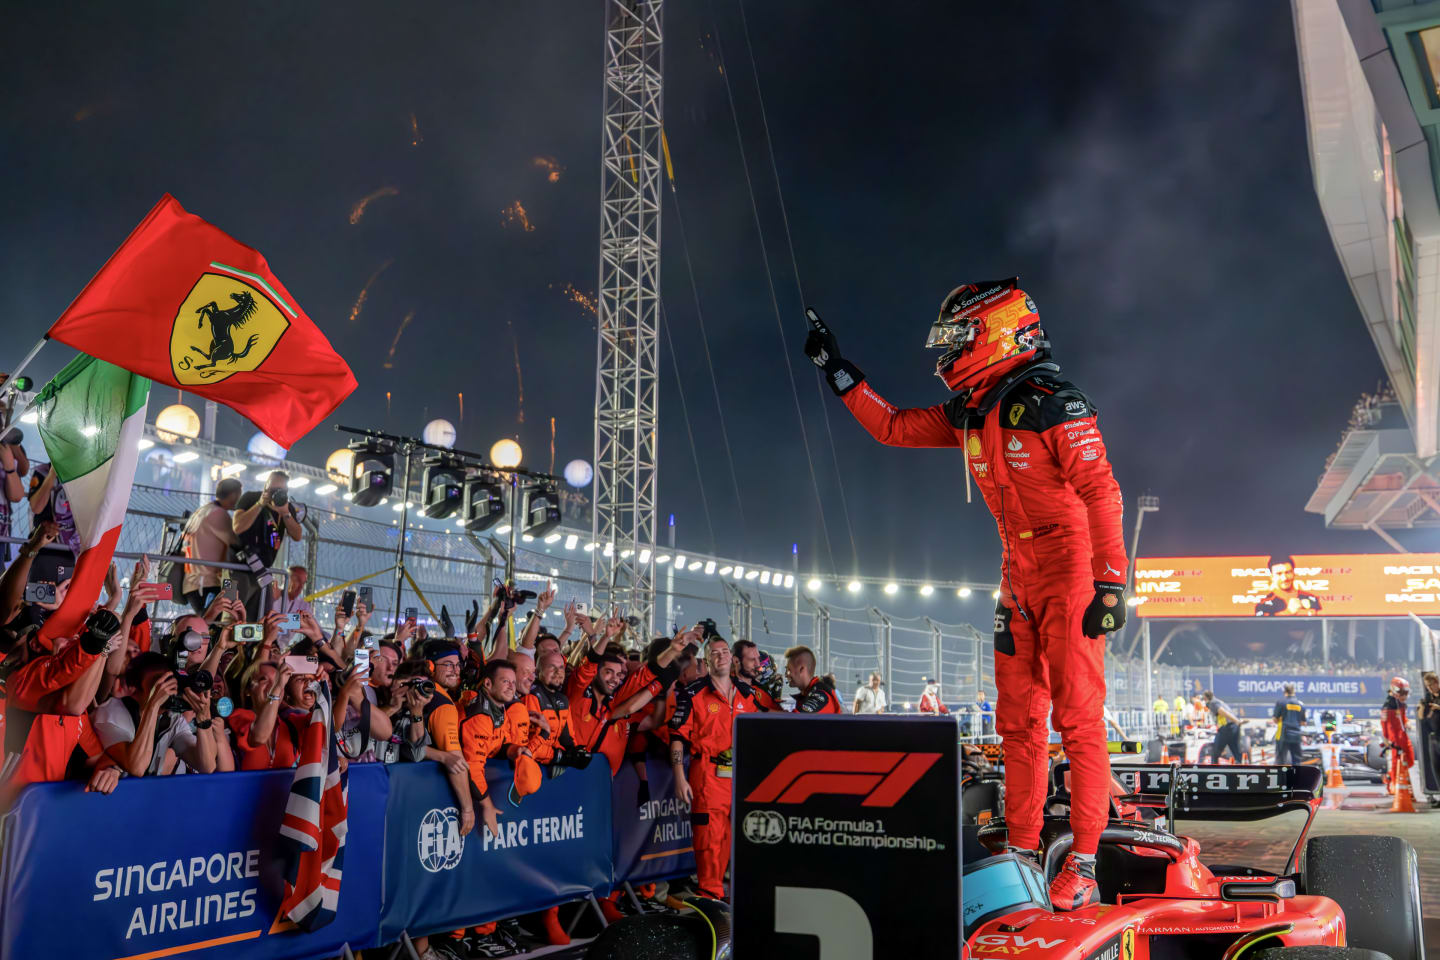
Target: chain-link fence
(938, 635)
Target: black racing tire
(1320, 953)
(1375, 756)
(1376, 882)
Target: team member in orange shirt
(701, 726)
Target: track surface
(1266, 843)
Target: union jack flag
(312, 835)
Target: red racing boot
(1074, 886)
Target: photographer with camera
(261, 522)
(14, 595)
(149, 734)
(408, 737)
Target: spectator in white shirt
(871, 697)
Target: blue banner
(1316, 689)
(652, 840)
(170, 865)
(554, 847)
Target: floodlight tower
(627, 361)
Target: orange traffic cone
(1333, 781)
(1404, 799)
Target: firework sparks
(415, 137)
(586, 300)
(519, 378)
(515, 215)
(365, 291)
(390, 357)
(358, 211)
(551, 166)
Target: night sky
(1144, 172)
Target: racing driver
(1392, 727)
(1033, 448)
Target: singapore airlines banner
(1303, 585)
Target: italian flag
(91, 417)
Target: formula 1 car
(1160, 902)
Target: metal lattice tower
(627, 363)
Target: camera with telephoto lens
(200, 682)
(280, 497)
(708, 629)
(577, 757)
(424, 685)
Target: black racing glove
(100, 626)
(446, 623)
(820, 346)
(472, 618)
(1106, 612)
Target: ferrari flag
(91, 417)
(183, 303)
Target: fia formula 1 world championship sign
(825, 809)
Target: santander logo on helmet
(986, 329)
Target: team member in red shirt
(701, 726)
(816, 693)
(1031, 444)
(1392, 727)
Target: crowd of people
(231, 684)
(1337, 667)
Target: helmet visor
(951, 334)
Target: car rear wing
(1209, 792)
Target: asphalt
(1266, 843)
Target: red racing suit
(1392, 728)
(1035, 452)
(38, 746)
(703, 720)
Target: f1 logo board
(845, 830)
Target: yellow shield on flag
(226, 325)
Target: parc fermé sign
(1302, 585)
(846, 829)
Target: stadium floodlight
(726, 570)
(442, 486)
(295, 483)
(626, 554)
(553, 538)
(325, 489)
(572, 541)
(814, 585)
(765, 577)
(963, 593)
(372, 472)
(398, 506)
(926, 590)
(663, 558)
(540, 508)
(739, 571)
(695, 565)
(589, 547)
(751, 574)
(186, 456)
(853, 586)
(230, 469)
(891, 589)
(484, 502)
(644, 556)
(994, 594)
(679, 561)
(789, 581)
(709, 567)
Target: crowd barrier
(170, 866)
